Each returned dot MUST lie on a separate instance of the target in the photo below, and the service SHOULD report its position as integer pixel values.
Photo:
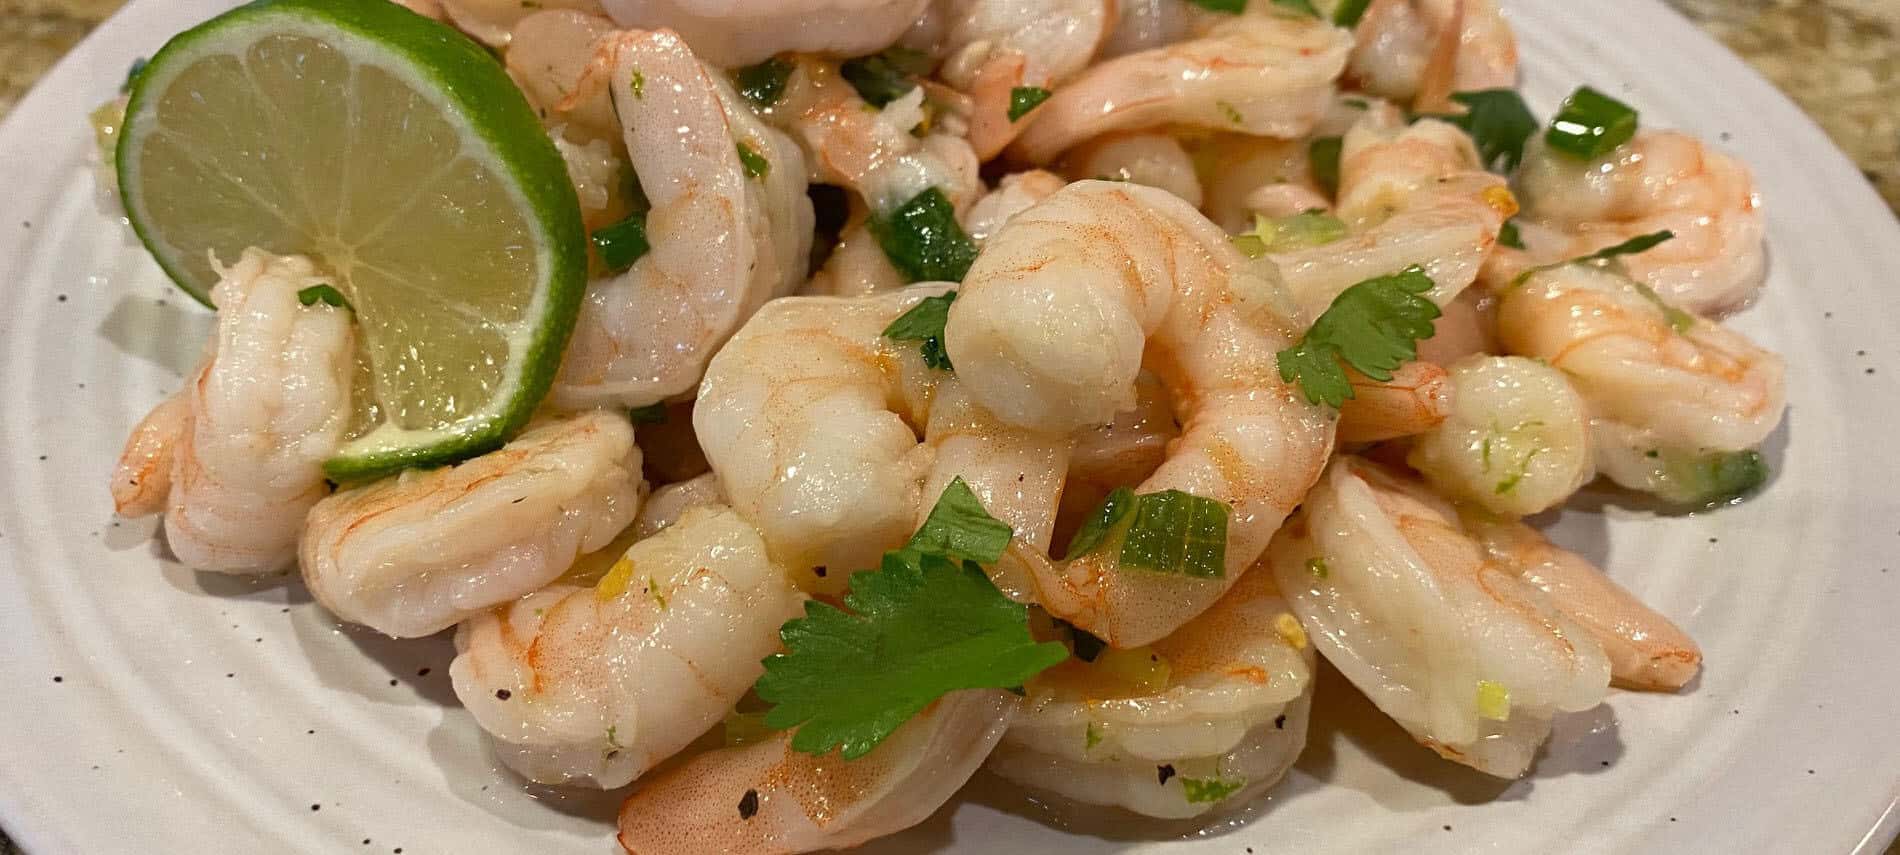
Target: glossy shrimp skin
(1055, 321)
(242, 446)
(732, 33)
(1224, 698)
(1402, 598)
(998, 46)
(768, 799)
(1517, 440)
(598, 684)
(1257, 74)
(415, 554)
(1421, 51)
(723, 240)
(1717, 261)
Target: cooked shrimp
(1123, 452)
(493, 21)
(1660, 180)
(598, 684)
(244, 443)
(1014, 194)
(741, 32)
(1646, 650)
(1203, 720)
(1468, 327)
(1147, 24)
(548, 56)
(1518, 439)
(805, 420)
(415, 554)
(857, 267)
(1416, 400)
(1065, 307)
(1261, 75)
(667, 504)
(1153, 159)
(723, 239)
(1421, 51)
(999, 46)
(1468, 658)
(1244, 176)
(768, 799)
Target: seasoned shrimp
(415, 554)
(598, 684)
(548, 56)
(741, 32)
(1518, 439)
(997, 47)
(1203, 720)
(667, 504)
(1646, 650)
(1244, 176)
(724, 239)
(1122, 452)
(493, 21)
(1421, 51)
(1016, 193)
(1416, 400)
(1261, 75)
(1055, 321)
(1153, 159)
(1667, 389)
(1400, 596)
(805, 420)
(243, 444)
(767, 799)
(857, 266)
(1148, 24)
(1660, 180)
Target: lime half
(397, 153)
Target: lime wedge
(397, 153)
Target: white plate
(148, 709)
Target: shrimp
(741, 32)
(1467, 328)
(1645, 649)
(805, 418)
(1053, 324)
(1416, 400)
(1686, 385)
(667, 504)
(857, 266)
(997, 47)
(1244, 176)
(1660, 180)
(548, 56)
(726, 236)
(1421, 51)
(236, 458)
(597, 685)
(1148, 24)
(492, 22)
(768, 799)
(415, 554)
(1517, 442)
(1153, 159)
(1403, 600)
(1014, 194)
(1122, 452)
(1261, 75)
(1203, 720)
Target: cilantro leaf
(1499, 122)
(1374, 327)
(1022, 99)
(1509, 236)
(924, 241)
(325, 294)
(958, 527)
(919, 628)
(924, 323)
(1349, 12)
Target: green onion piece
(1508, 235)
(638, 83)
(1323, 158)
(924, 323)
(1714, 478)
(1177, 532)
(1591, 124)
(958, 527)
(651, 414)
(763, 84)
(1206, 790)
(1304, 7)
(1494, 701)
(756, 166)
(1349, 12)
(1022, 99)
(325, 294)
(1317, 567)
(1640, 243)
(1232, 7)
(622, 244)
(1301, 231)
(924, 241)
(885, 77)
(1679, 320)
(1120, 502)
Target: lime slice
(397, 153)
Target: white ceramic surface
(144, 708)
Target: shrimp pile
(1057, 307)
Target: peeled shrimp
(1468, 658)
(415, 554)
(857, 266)
(236, 458)
(493, 21)
(1014, 194)
(548, 56)
(767, 799)
(741, 32)
(1220, 705)
(1064, 308)
(667, 504)
(1416, 400)
(723, 241)
(599, 684)
(1660, 180)
(1261, 75)
(999, 46)
(1153, 159)
(1518, 439)
(1421, 51)
(1123, 452)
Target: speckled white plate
(147, 709)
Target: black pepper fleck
(316, 807)
(1672, 819)
(1163, 773)
(62, 298)
(749, 804)
(1860, 353)
(365, 841)
(1447, 828)
(1869, 371)
(229, 675)
(1279, 722)
(312, 731)
(503, 694)
(818, 571)
(1604, 763)
(423, 673)
(1713, 540)
(392, 682)
(58, 679)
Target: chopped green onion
(885, 77)
(1304, 7)
(1022, 99)
(1679, 320)
(651, 414)
(756, 166)
(1494, 701)
(924, 241)
(1349, 12)
(1106, 517)
(924, 323)
(1323, 158)
(622, 244)
(325, 294)
(638, 83)
(763, 84)
(1640, 243)
(1317, 567)
(1714, 478)
(1509, 236)
(1166, 532)
(1232, 7)
(1591, 124)
(958, 527)
(1300, 231)
(1207, 790)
